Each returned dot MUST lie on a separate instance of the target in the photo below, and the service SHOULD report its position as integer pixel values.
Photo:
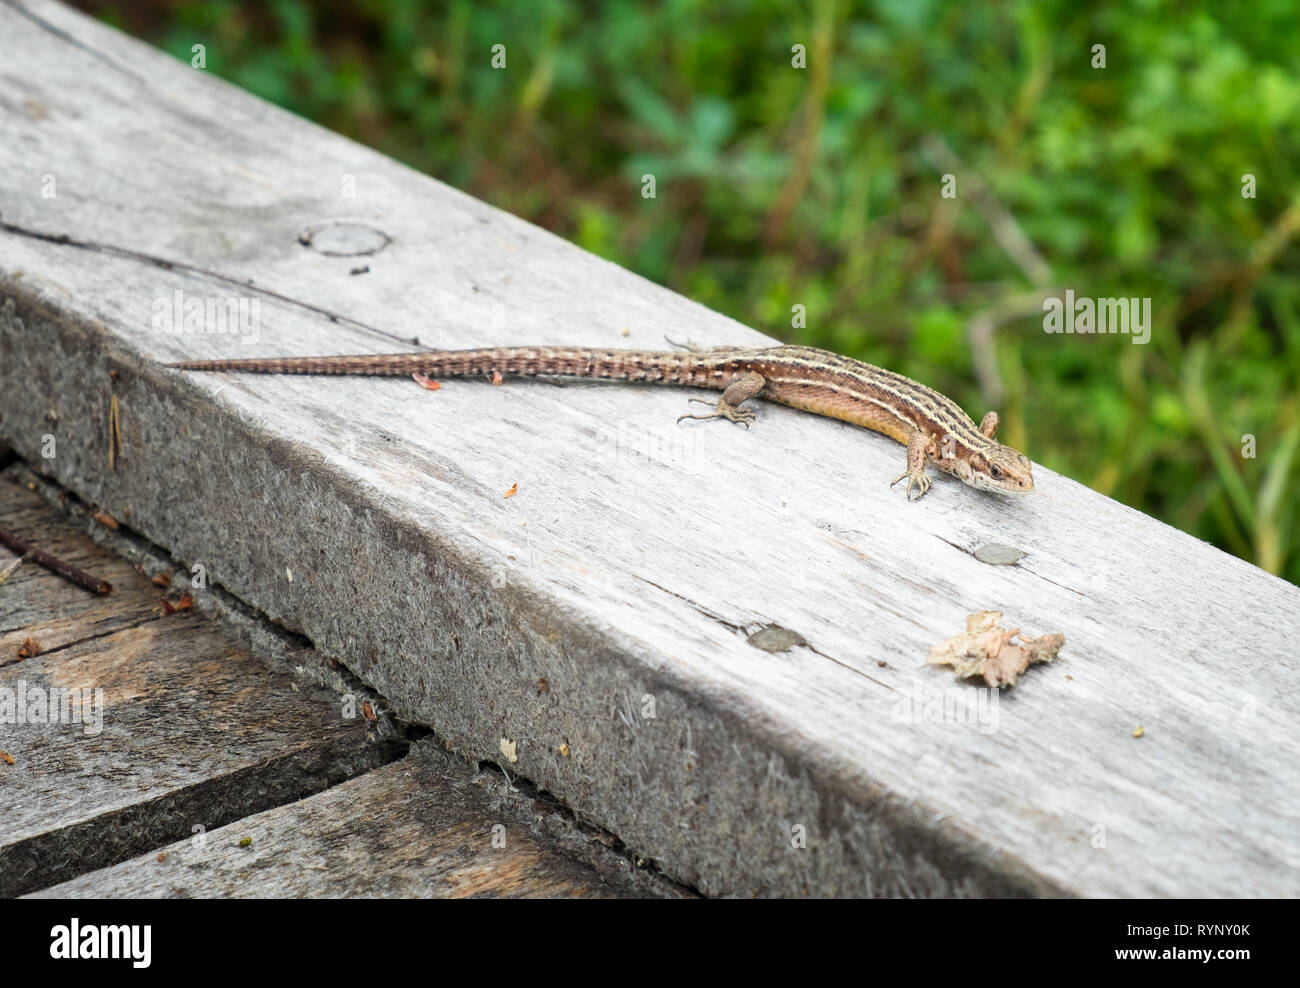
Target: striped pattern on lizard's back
(933, 427)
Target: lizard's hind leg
(746, 386)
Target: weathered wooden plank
(133, 728)
(422, 827)
(53, 612)
(443, 818)
(628, 570)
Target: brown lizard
(931, 426)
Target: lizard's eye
(997, 474)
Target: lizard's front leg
(744, 387)
(918, 447)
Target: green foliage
(780, 186)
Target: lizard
(932, 426)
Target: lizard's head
(996, 468)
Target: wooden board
(188, 731)
(54, 612)
(427, 825)
(422, 827)
(637, 557)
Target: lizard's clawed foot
(918, 480)
(722, 410)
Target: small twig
(1006, 230)
(114, 431)
(55, 565)
(981, 329)
(510, 786)
(814, 115)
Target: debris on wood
(510, 749)
(55, 565)
(999, 555)
(987, 651)
(184, 603)
(9, 569)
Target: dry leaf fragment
(368, 711)
(29, 647)
(171, 607)
(162, 579)
(496, 377)
(104, 518)
(514, 489)
(162, 857)
(1139, 731)
(428, 383)
(987, 650)
(510, 749)
(7, 758)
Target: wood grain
(189, 731)
(637, 557)
(416, 828)
(55, 612)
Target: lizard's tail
(627, 365)
(370, 364)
